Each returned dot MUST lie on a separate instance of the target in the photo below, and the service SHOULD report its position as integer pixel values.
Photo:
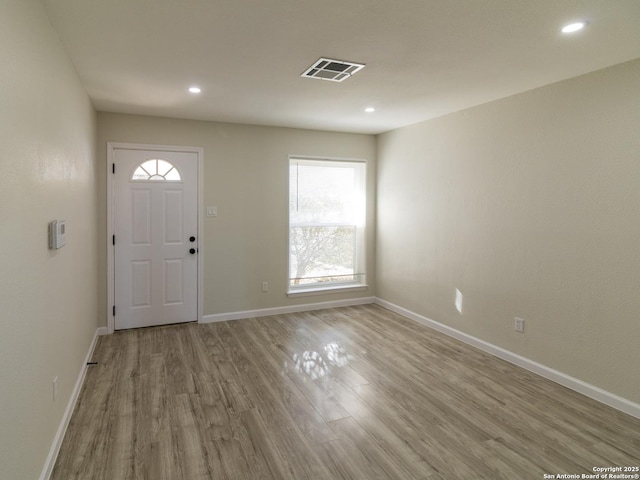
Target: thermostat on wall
(56, 233)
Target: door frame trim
(111, 147)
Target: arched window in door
(156, 170)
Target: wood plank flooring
(348, 393)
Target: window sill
(311, 291)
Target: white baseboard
(264, 312)
(71, 405)
(591, 391)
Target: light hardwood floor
(348, 393)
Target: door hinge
(114, 310)
(114, 240)
(113, 168)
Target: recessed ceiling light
(573, 27)
(194, 89)
(370, 109)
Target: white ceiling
(424, 58)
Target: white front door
(155, 210)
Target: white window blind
(326, 223)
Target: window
(156, 170)
(326, 224)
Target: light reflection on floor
(319, 364)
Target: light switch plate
(212, 211)
(57, 231)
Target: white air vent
(334, 70)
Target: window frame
(360, 262)
(150, 178)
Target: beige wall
(530, 207)
(48, 299)
(246, 177)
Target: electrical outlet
(265, 286)
(55, 388)
(518, 325)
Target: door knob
(192, 251)
(192, 239)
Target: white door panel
(155, 215)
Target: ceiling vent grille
(333, 70)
